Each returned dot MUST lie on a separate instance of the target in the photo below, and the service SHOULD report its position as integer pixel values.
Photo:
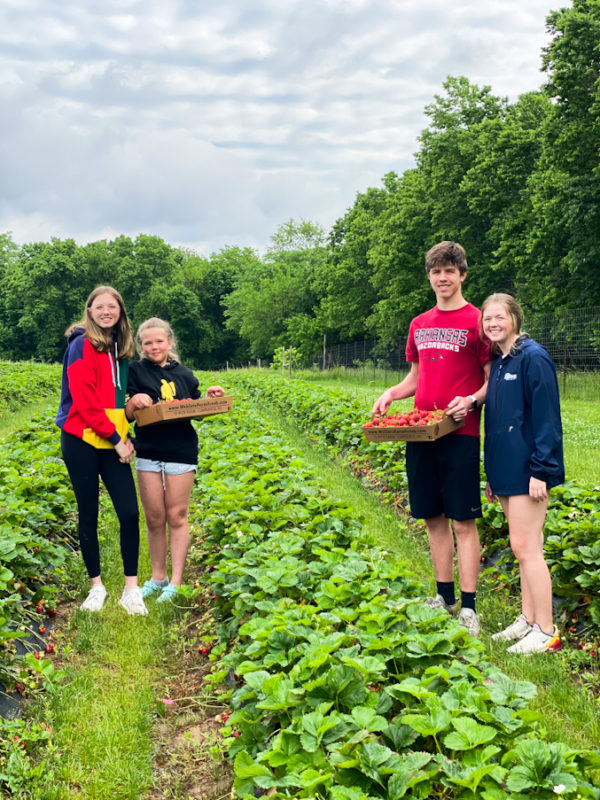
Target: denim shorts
(164, 467)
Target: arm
(541, 393)
(83, 385)
(459, 407)
(140, 400)
(406, 388)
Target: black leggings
(85, 465)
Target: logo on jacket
(510, 376)
(167, 389)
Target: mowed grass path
(102, 716)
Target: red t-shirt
(451, 354)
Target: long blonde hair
(102, 340)
(156, 322)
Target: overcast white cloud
(212, 123)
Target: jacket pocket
(116, 415)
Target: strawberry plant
(342, 683)
(572, 530)
(38, 544)
(22, 383)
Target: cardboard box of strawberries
(170, 410)
(410, 426)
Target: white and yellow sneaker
(536, 641)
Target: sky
(210, 124)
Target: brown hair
(156, 322)
(512, 308)
(445, 253)
(102, 340)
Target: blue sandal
(150, 589)
(168, 593)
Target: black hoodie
(168, 441)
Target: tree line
(518, 184)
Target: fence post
(565, 366)
(290, 363)
(324, 351)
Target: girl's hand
(215, 391)
(489, 494)
(125, 451)
(537, 489)
(140, 400)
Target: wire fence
(572, 339)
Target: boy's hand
(489, 494)
(458, 408)
(381, 405)
(215, 391)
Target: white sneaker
(132, 601)
(95, 599)
(516, 630)
(536, 641)
(469, 620)
(439, 602)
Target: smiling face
(446, 281)
(156, 345)
(105, 311)
(499, 326)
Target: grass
(103, 715)
(13, 421)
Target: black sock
(446, 589)
(467, 600)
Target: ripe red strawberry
(50, 648)
(42, 629)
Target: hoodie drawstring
(116, 377)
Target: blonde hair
(512, 308)
(101, 339)
(156, 322)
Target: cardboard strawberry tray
(417, 432)
(169, 411)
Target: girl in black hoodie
(166, 454)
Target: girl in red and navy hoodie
(94, 436)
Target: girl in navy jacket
(523, 461)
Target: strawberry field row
(572, 530)
(37, 543)
(343, 684)
(26, 382)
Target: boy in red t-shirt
(450, 363)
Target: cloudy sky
(210, 123)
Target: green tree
(344, 284)
(564, 243)
(44, 291)
(269, 293)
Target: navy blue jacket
(523, 430)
